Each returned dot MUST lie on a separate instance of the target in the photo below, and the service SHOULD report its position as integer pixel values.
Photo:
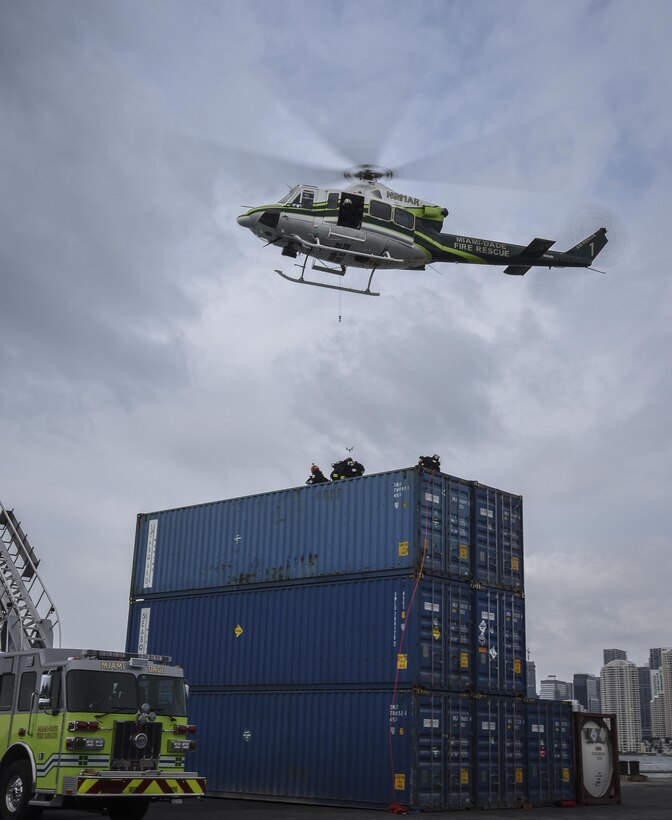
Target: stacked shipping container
(361, 642)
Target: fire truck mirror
(50, 693)
(45, 691)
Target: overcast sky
(151, 358)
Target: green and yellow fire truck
(84, 729)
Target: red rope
(405, 625)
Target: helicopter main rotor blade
(536, 156)
(365, 119)
(200, 163)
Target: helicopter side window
(332, 200)
(381, 210)
(307, 197)
(404, 218)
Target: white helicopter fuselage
(367, 225)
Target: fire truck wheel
(15, 790)
(127, 809)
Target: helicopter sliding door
(350, 211)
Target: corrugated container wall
(425, 750)
(436, 632)
(387, 522)
(361, 642)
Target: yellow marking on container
(464, 551)
(519, 775)
(464, 777)
(238, 631)
(400, 782)
(565, 775)
(515, 563)
(402, 661)
(464, 660)
(516, 666)
(403, 548)
(436, 632)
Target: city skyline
(641, 657)
(639, 695)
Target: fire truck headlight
(86, 744)
(181, 745)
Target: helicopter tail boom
(579, 256)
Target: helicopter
(368, 225)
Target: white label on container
(489, 725)
(143, 632)
(430, 607)
(538, 727)
(488, 616)
(431, 723)
(150, 554)
(487, 513)
(433, 498)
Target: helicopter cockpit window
(291, 196)
(307, 197)
(404, 218)
(381, 210)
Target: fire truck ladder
(28, 616)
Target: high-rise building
(614, 655)
(658, 716)
(654, 657)
(553, 689)
(644, 674)
(620, 694)
(666, 668)
(531, 679)
(585, 691)
(656, 683)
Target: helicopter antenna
(597, 270)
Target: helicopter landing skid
(301, 280)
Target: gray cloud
(150, 357)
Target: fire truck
(81, 728)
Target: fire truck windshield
(92, 691)
(165, 695)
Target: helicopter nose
(245, 221)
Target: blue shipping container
(498, 537)
(550, 752)
(500, 752)
(387, 522)
(437, 633)
(425, 750)
(357, 747)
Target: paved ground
(641, 801)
